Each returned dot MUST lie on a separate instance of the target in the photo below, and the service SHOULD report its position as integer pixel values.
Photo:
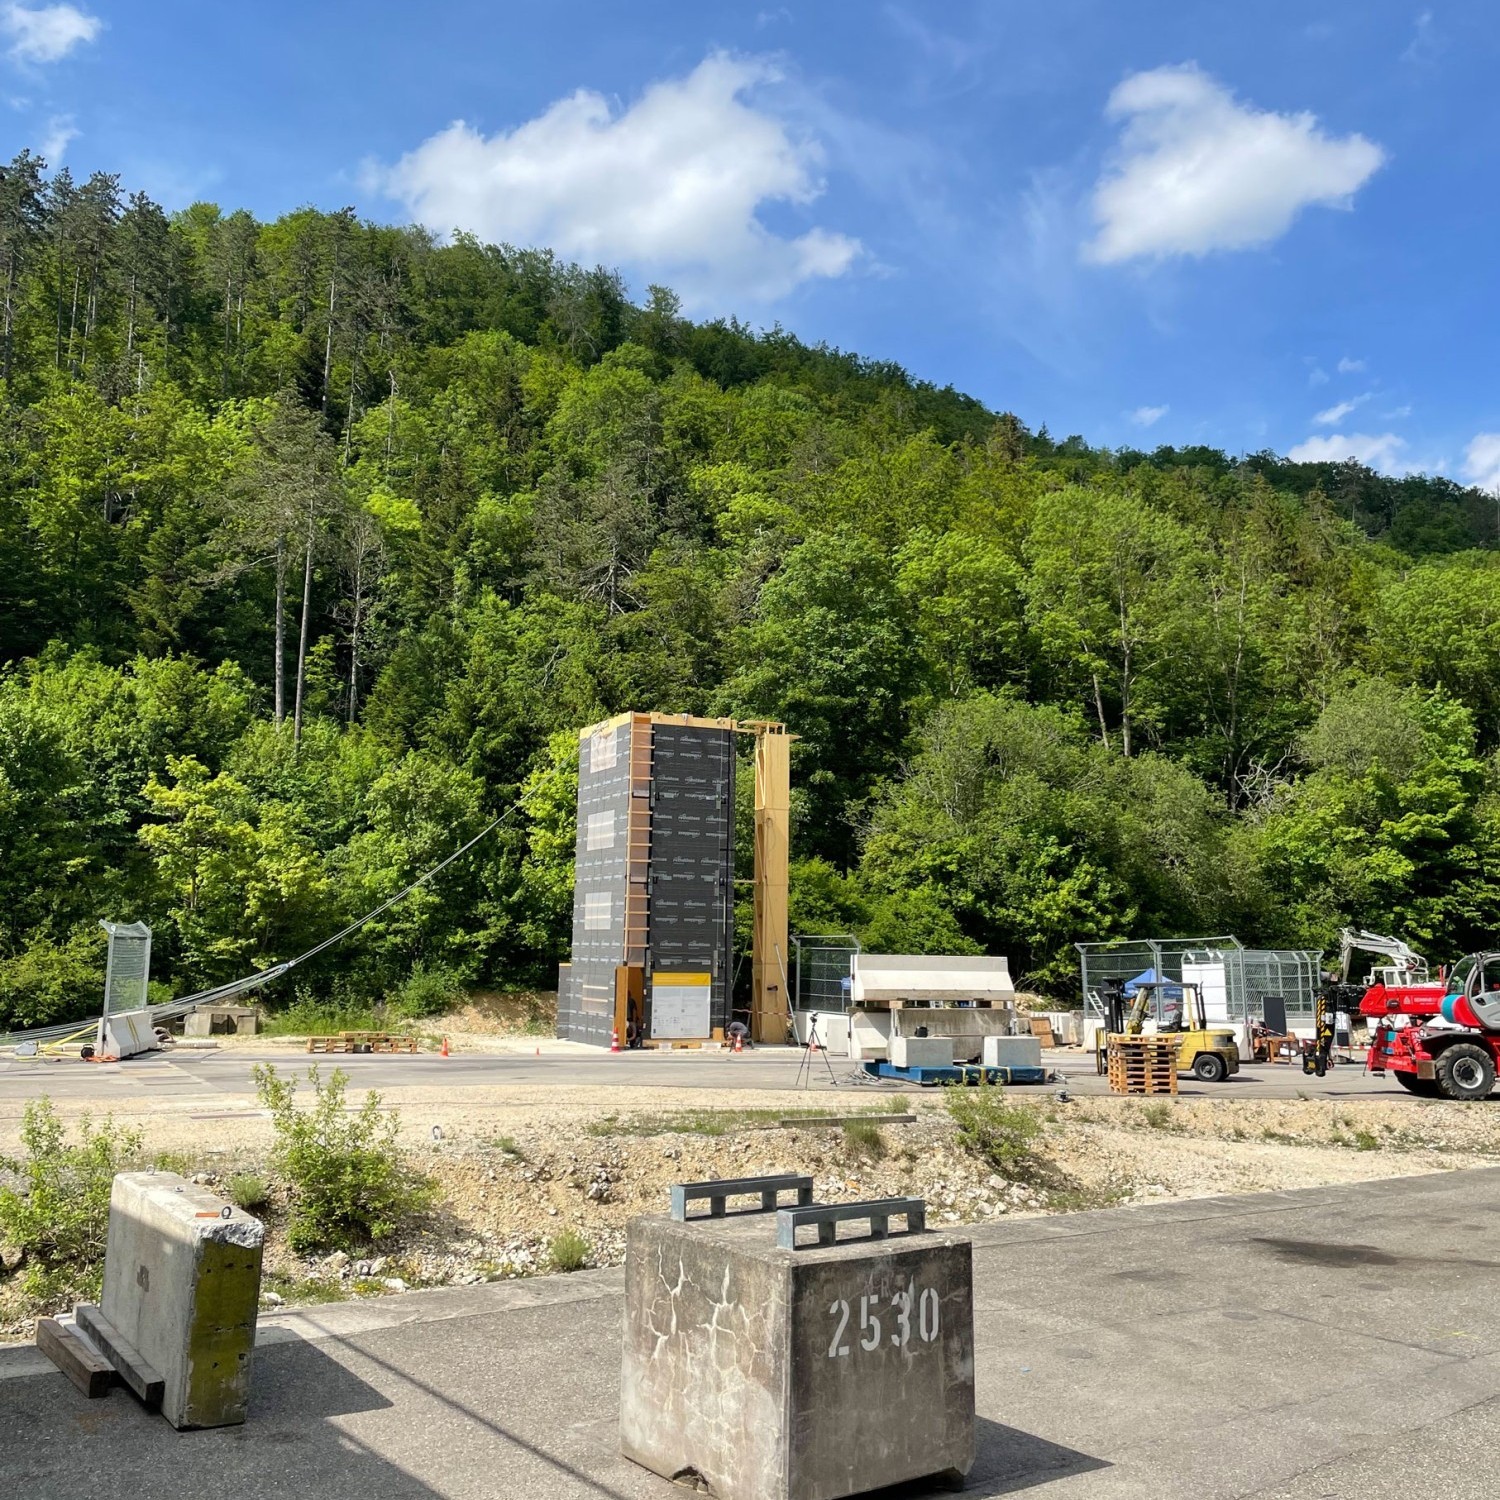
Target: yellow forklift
(1210, 1055)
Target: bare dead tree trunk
(1099, 710)
(307, 566)
(280, 631)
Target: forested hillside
(319, 540)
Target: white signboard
(680, 1006)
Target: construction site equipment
(1145, 1064)
(966, 1074)
(1209, 1054)
(851, 1361)
(1437, 1037)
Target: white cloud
(48, 32)
(1397, 413)
(671, 185)
(1197, 171)
(1148, 416)
(1482, 461)
(60, 132)
(1317, 376)
(1379, 451)
(1349, 366)
(1338, 413)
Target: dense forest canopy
(319, 540)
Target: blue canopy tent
(1168, 990)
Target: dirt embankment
(510, 1180)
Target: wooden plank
(90, 1372)
(795, 1122)
(127, 1360)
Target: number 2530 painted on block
(901, 1308)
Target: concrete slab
(1336, 1342)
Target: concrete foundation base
(808, 1374)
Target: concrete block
(181, 1286)
(922, 1051)
(198, 1023)
(807, 1374)
(1012, 1052)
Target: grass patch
(1002, 1135)
(1158, 1115)
(508, 1146)
(309, 1017)
(715, 1122)
(173, 1161)
(312, 1289)
(249, 1190)
(568, 1251)
(864, 1135)
(1365, 1141)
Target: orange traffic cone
(614, 1040)
(445, 1047)
(739, 1042)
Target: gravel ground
(514, 1166)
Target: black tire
(1423, 1088)
(1209, 1067)
(1465, 1071)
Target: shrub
(864, 1135)
(1003, 1135)
(429, 990)
(1158, 1115)
(248, 1190)
(50, 981)
(57, 1218)
(569, 1251)
(349, 1184)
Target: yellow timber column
(770, 1004)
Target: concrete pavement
(1336, 1342)
(209, 1075)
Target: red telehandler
(1449, 1043)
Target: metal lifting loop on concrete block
(769, 1188)
(828, 1216)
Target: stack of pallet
(1143, 1064)
(362, 1041)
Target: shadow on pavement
(57, 1445)
(1006, 1461)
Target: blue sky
(1269, 225)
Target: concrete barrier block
(182, 1286)
(922, 1051)
(1012, 1051)
(807, 1374)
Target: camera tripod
(805, 1067)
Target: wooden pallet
(362, 1041)
(1143, 1064)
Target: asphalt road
(209, 1075)
(1338, 1342)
